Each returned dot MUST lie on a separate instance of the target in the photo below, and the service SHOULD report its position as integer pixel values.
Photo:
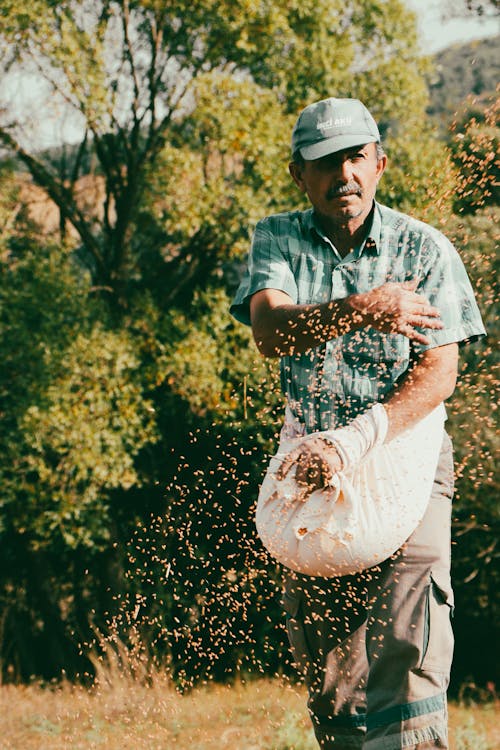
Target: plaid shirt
(329, 385)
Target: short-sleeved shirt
(330, 384)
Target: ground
(122, 713)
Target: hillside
(462, 70)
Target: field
(122, 713)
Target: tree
(474, 148)
(135, 74)
(134, 397)
(74, 418)
(472, 424)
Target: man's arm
(427, 383)
(281, 327)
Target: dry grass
(122, 713)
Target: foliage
(81, 440)
(74, 417)
(420, 177)
(475, 403)
(472, 423)
(137, 417)
(141, 77)
(474, 149)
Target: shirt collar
(372, 240)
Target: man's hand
(316, 462)
(396, 308)
(282, 327)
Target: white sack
(363, 517)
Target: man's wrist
(331, 455)
(332, 452)
(350, 314)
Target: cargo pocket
(437, 649)
(296, 633)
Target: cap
(332, 125)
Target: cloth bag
(365, 514)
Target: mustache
(339, 190)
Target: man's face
(341, 186)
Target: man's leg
(326, 621)
(409, 639)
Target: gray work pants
(376, 648)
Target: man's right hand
(396, 308)
(316, 462)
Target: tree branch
(62, 197)
(130, 59)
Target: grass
(121, 713)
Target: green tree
(139, 415)
(474, 148)
(74, 417)
(472, 424)
(135, 73)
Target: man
(363, 305)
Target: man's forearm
(430, 381)
(292, 329)
(281, 327)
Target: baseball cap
(331, 125)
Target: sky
(438, 31)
